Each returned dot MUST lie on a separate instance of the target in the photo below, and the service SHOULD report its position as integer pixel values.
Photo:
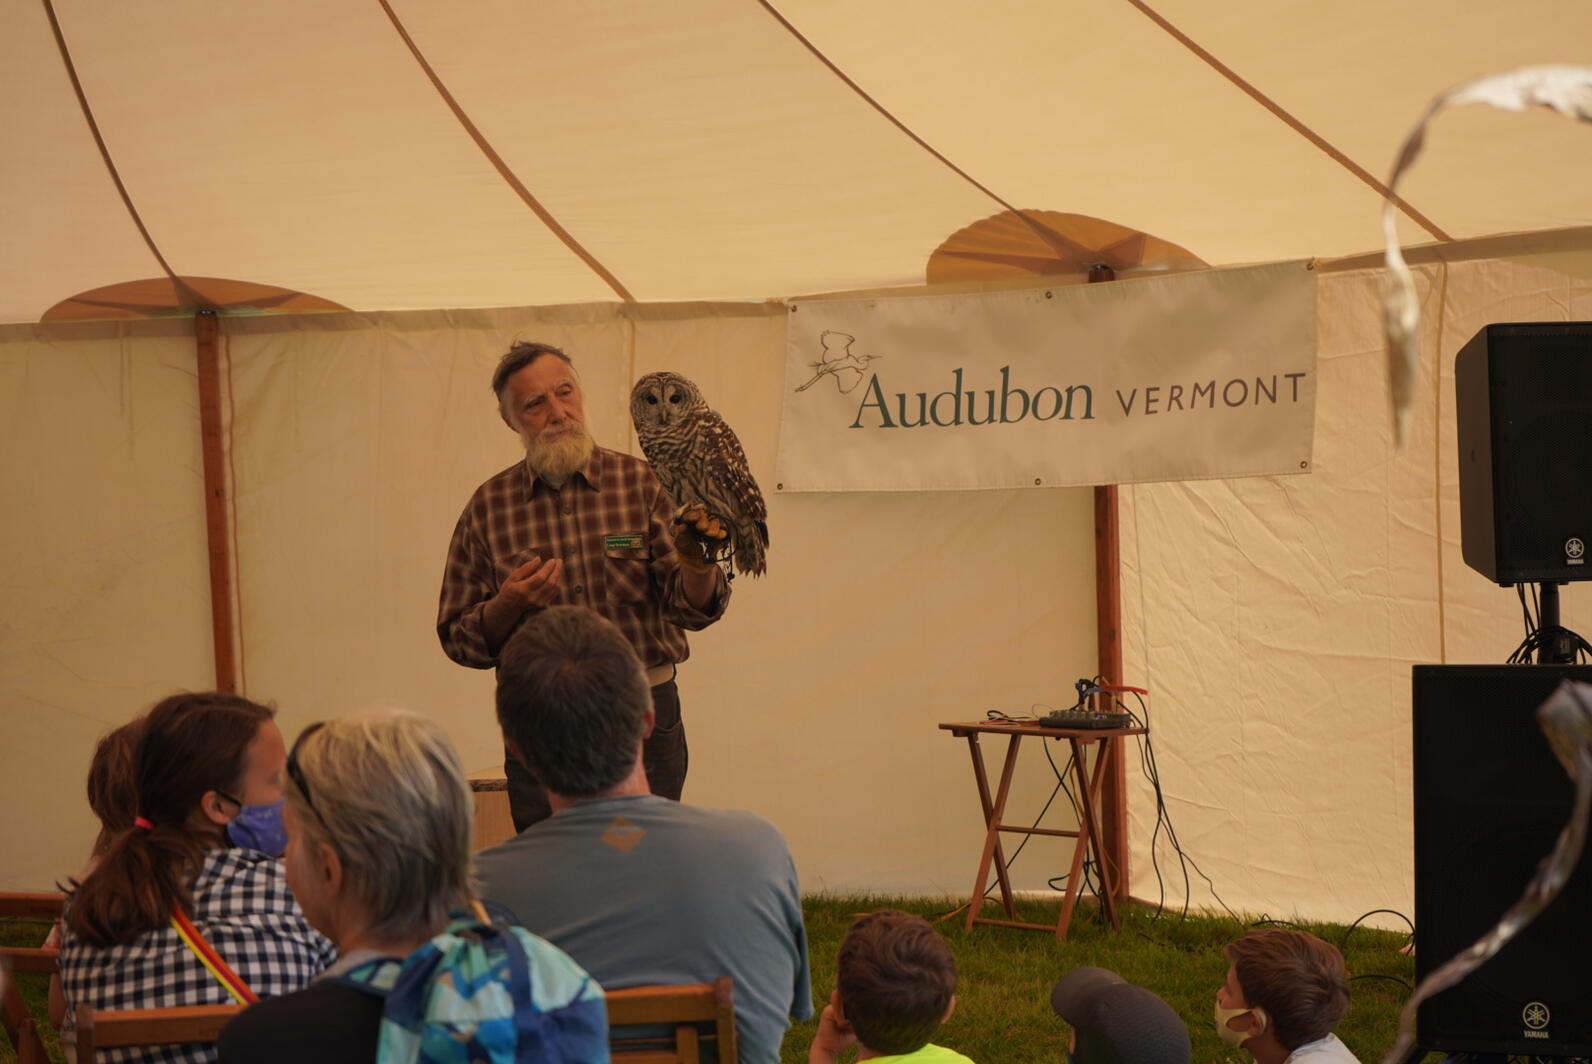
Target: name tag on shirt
(624, 541)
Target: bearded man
(577, 524)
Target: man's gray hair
(522, 353)
(572, 698)
(387, 793)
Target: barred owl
(699, 461)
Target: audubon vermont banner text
(1191, 376)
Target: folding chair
(699, 1013)
(18, 1022)
(107, 1029)
(19, 1025)
(32, 906)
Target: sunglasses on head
(295, 772)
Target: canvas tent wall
(717, 153)
(1274, 619)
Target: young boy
(1285, 991)
(896, 983)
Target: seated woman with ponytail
(185, 907)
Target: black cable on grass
(1386, 978)
(1344, 941)
(1163, 818)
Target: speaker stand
(1556, 646)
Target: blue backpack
(482, 994)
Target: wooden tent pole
(1108, 636)
(217, 533)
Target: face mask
(259, 827)
(1237, 1038)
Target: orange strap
(212, 960)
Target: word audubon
(947, 408)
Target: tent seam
(501, 166)
(1289, 120)
(1044, 232)
(110, 166)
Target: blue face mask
(259, 827)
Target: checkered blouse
(242, 905)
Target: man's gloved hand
(698, 535)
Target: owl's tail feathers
(751, 545)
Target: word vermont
(958, 407)
(1235, 392)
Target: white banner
(1185, 377)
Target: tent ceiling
(703, 150)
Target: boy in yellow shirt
(895, 985)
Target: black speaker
(1490, 800)
(1524, 410)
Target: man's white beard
(555, 459)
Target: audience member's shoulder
(240, 882)
(322, 1021)
(237, 868)
(740, 824)
(933, 1054)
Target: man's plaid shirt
(242, 906)
(610, 525)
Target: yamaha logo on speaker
(1535, 1016)
(1574, 550)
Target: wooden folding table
(1086, 836)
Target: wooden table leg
(1091, 791)
(992, 833)
(1080, 848)
(981, 776)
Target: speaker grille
(1490, 800)
(1530, 494)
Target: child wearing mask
(1285, 991)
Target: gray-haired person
(636, 888)
(378, 817)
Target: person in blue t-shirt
(636, 888)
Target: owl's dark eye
(675, 398)
(653, 400)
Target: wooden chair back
(107, 1029)
(702, 1015)
(25, 905)
(18, 1023)
(31, 961)
(15, 1019)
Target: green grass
(1003, 1009)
